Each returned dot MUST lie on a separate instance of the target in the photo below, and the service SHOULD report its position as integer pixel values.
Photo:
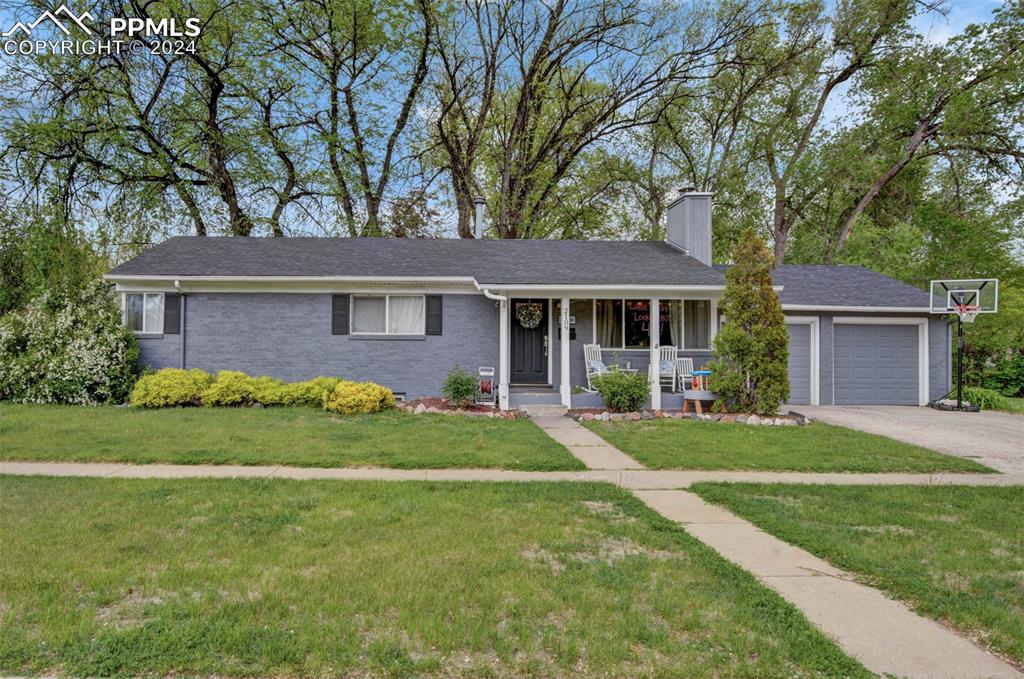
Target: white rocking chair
(595, 364)
(684, 373)
(667, 367)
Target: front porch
(542, 363)
(522, 396)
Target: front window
(697, 323)
(144, 312)
(388, 315)
(626, 323)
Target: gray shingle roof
(493, 262)
(836, 285)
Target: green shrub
(67, 347)
(171, 387)
(459, 386)
(751, 366)
(268, 391)
(234, 388)
(309, 393)
(1007, 376)
(986, 399)
(359, 398)
(623, 392)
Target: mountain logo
(47, 15)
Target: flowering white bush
(67, 348)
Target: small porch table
(698, 393)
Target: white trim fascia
(296, 279)
(922, 346)
(815, 356)
(857, 309)
(306, 288)
(614, 287)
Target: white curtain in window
(154, 313)
(368, 314)
(698, 323)
(133, 312)
(405, 315)
(674, 317)
(609, 322)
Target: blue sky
(937, 28)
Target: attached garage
(879, 363)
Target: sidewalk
(631, 479)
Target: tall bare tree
(526, 88)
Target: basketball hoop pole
(959, 363)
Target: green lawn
(955, 553)
(1016, 405)
(818, 447)
(289, 436)
(105, 577)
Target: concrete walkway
(590, 448)
(883, 634)
(635, 479)
(991, 438)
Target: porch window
(697, 324)
(388, 315)
(144, 312)
(625, 323)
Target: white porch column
(653, 372)
(503, 356)
(564, 384)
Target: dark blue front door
(529, 345)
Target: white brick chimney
(689, 223)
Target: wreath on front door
(529, 315)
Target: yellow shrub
(351, 398)
(309, 393)
(232, 388)
(268, 391)
(171, 387)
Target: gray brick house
(403, 312)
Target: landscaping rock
(420, 409)
(633, 417)
(647, 415)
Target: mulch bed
(444, 404)
(436, 404)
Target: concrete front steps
(543, 410)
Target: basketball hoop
(966, 298)
(967, 312)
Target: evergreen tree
(751, 350)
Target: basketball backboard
(980, 295)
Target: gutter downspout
(181, 320)
(503, 353)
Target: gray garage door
(799, 363)
(876, 364)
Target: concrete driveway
(994, 439)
